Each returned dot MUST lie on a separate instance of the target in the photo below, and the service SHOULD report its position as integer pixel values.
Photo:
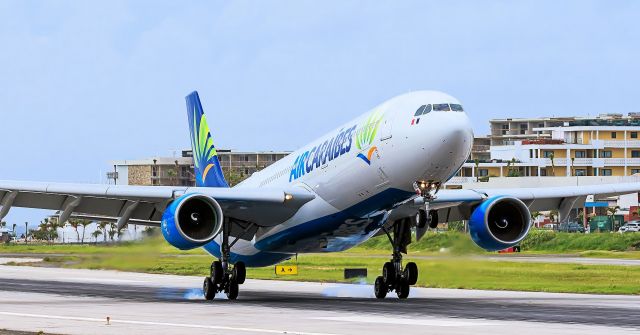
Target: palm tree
(553, 164)
(84, 224)
(112, 231)
(102, 225)
(553, 215)
(612, 211)
(172, 175)
(75, 223)
(95, 234)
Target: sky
(83, 83)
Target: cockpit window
(441, 108)
(427, 110)
(456, 108)
(420, 110)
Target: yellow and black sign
(286, 270)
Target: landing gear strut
(224, 277)
(394, 276)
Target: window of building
(456, 108)
(635, 171)
(441, 108)
(581, 154)
(184, 171)
(547, 154)
(634, 134)
(581, 172)
(605, 172)
(635, 153)
(614, 134)
(505, 127)
(154, 171)
(605, 154)
(483, 172)
(420, 110)
(246, 158)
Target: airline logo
(366, 135)
(331, 149)
(339, 145)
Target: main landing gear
(223, 276)
(221, 280)
(394, 276)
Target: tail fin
(207, 166)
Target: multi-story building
(178, 171)
(607, 145)
(508, 131)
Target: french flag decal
(415, 121)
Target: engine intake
(499, 222)
(191, 221)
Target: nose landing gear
(394, 276)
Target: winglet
(207, 166)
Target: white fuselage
(359, 171)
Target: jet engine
(191, 221)
(499, 222)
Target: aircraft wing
(453, 205)
(145, 204)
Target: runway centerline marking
(410, 322)
(166, 324)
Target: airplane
(378, 174)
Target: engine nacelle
(499, 223)
(191, 221)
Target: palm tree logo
(366, 135)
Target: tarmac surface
(74, 301)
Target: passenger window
(441, 108)
(420, 110)
(456, 108)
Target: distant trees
(47, 230)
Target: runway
(70, 301)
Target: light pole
(26, 232)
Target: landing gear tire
(240, 272)
(422, 219)
(402, 289)
(411, 273)
(433, 219)
(389, 273)
(233, 289)
(380, 288)
(209, 289)
(217, 273)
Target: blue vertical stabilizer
(207, 166)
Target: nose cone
(450, 141)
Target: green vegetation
(459, 267)
(549, 241)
